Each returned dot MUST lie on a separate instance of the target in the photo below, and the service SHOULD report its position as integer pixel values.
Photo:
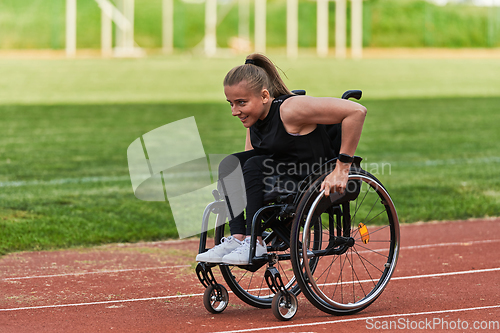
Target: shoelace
(222, 241)
(245, 247)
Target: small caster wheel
(215, 298)
(284, 305)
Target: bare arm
(301, 115)
(248, 144)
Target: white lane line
(191, 295)
(362, 318)
(413, 247)
(100, 303)
(426, 246)
(417, 276)
(96, 272)
(409, 277)
(486, 270)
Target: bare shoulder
(293, 113)
(293, 108)
(302, 110)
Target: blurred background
(40, 24)
(82, 79)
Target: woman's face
(247, 105)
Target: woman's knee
(232, 162)
(260, 164)
(228, 165)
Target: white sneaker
(215, 254)
(240, 255)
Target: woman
(285, 132)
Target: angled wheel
(284, 305)
(215, 298)
(359, 247)
(248, 282)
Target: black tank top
(302, 153)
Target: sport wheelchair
(340, 251)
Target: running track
(448, 274)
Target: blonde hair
(259, 72)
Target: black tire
(215, 298)
(354, 263)
(283, 309)
(249, 284)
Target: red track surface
(448, 274)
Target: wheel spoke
(361, 259)
(373, 206)
(357, 207)
(260, 288)
(357, 270)
(341, 269)
(357, 278)
(381, 212)
(251, 287)
(352, 277)
(372, 251)
(379, 229)
(250, 282)
(329, 267)
(369, 261)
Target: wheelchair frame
(305, 230)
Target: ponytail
(259, 72)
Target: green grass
(431, 137)
(386, 23)
(196, 79)
(441, 156)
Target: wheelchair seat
(279, 188)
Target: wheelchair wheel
(284, 306)
(359, 248)
(215, 298)
(249, 283)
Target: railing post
(357, 29)
(322, 28)
(106, 33)
(260, 25)
(168, 26)
(292, 28)
(340, 28)
(210, 27)
(70, 28)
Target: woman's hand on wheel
(336, 181)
